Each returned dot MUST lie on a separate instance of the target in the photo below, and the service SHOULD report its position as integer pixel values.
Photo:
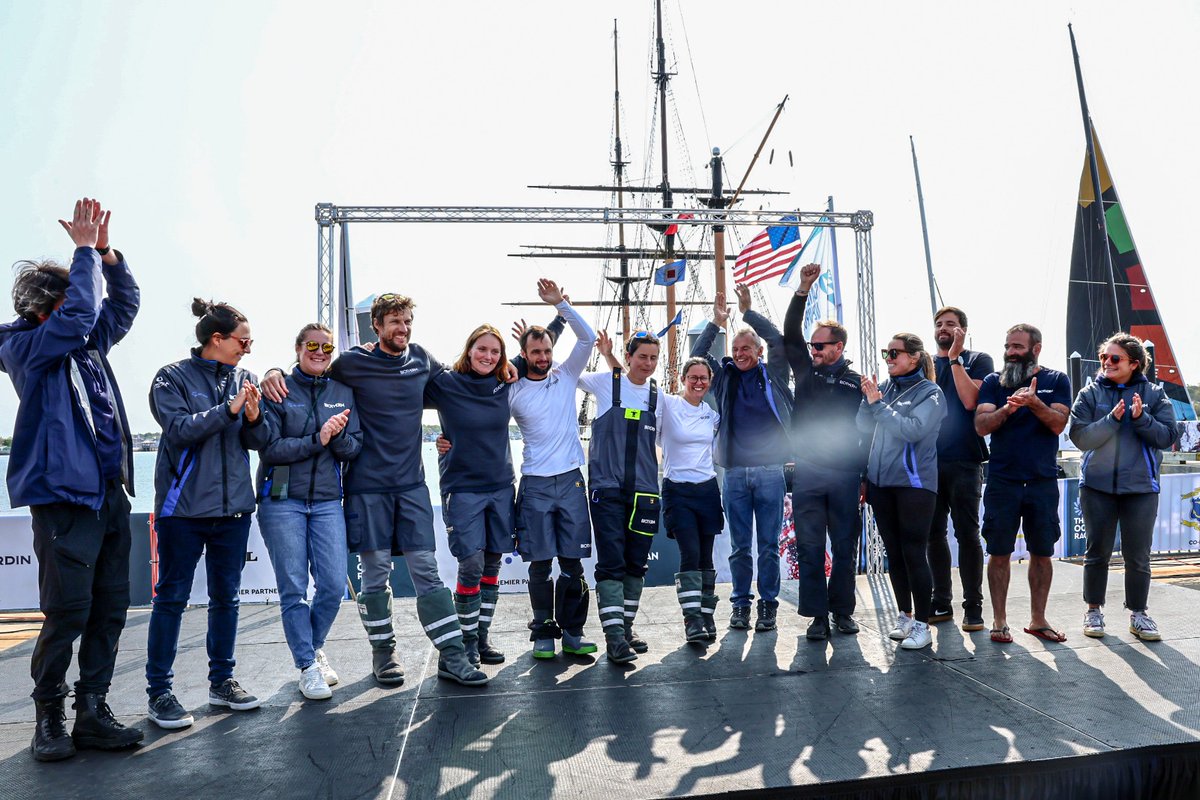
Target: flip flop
(1047, 633)
(1001, 635)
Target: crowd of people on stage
(339, 442)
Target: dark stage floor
(751, 712)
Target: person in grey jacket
(1122, 422)
(755, 404)
(314, 433)
(905, 415)
(211, 417)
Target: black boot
(50, 739)
(96, 728)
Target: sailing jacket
(772, 376)
(905, 422)
(314, 471)
(54, 453)
(203, 464)
(473, 412)
(1122, 456)
(824, 432)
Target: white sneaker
(1141, 626)
(313, 685)
(919, 636)
(327, 672)
(1093, 623)
(904, 625)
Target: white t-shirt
(686, 434)
(546, 411)
(600, 385)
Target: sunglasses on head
(819, 346)
(892, 353)
(324, 347)
(1112, 359)
(244, 341)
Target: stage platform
(752, 715)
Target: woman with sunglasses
(1122, 422)
(691, 498)
(314, 432)
(904, 416)
(210, 413)
(623, 482)
(476, 479)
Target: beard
(536, 371)
(1018, 371)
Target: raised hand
(720, 311)
(443, 445)
(604, 344)
(84, 227)
(1118, 411)
(958, 345)
(253, 398)
(1137, 405)
(518, 329)
(549, 292)
(334, 425)
(743, 295)
(870, 389)
(808, 276)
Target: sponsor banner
(18, 564)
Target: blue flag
(671, 273)
(678, 319)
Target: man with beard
(1024, 407)
(961, 453)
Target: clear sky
(212, 129)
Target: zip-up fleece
(773, 375)
(54, 454)
(314, 469)
(1122, 456)
(203, 464)
(905, 423)
(826, 404)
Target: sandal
(1001, 635)
(1047, 633)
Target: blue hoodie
(1122, 456)
(905, 425)
(55, 457)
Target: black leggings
(693, 516)
(903, 515)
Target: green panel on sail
(1118, 230)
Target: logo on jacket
(409, 370)
(334, 405)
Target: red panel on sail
(1140, 298)
(1165, 364)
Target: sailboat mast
(1094, 169)
(933, 305)
(661, 77)
(716, 201)
(619, 169)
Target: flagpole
(933, 306)
(619, 167)
(837, 280)
(1094, 168)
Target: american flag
(769, 254)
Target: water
(143, 474)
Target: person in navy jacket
(72, 464)
(1122, 422)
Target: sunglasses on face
(324, 347)
(819, 346)
(1111, 359)
(892, 353)
(244, 341)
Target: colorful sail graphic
(1091, 316)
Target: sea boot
(708, 602)
(467, 608)
(571, 600)
(51, 742)
(543, 630)
(633, 597)
(436, 613)
(687, 589)
(489, 593)
(96, 728)
(375, 611)
(610, 597)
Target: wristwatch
(962, 362)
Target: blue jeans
(301, 536)
(181, 542)
(754, 502)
